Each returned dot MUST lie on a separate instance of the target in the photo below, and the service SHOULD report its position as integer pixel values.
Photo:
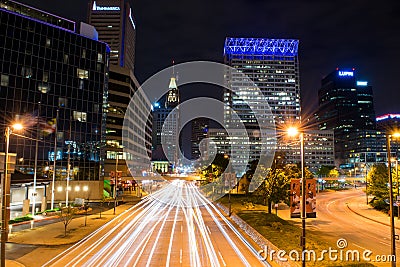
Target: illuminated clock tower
(166, 125)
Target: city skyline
(360, 35)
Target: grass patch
(284, 234)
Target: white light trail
(148, 235)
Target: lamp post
(366, 181)
(229, 187)
(6, 194)
(54, 164)
(392, 229)
(115, 180)
(293, 132)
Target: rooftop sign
(105, 8)
(346, 73)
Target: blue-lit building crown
(261, 46)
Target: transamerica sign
(105, 8)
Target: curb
(359, 214)
(37, 220)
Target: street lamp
(392, 229)
(366, 181)
(5, 190)
(229, 188)
(292, 131)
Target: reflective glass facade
(45, 68)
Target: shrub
(20, 219)
(380, 204)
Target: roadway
(175, 226)
(335, 220)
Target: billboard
(311, 198)
(295, 198)
(295, 208)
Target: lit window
(65, 58)
(84, 53)
(4, 80)
(79, 116)
(45, 76)
(62, 102)
(82, 74)
(60, 137)
(81, 84)
(44, 87)
(26, 72)
(99, 58)
(48, 42)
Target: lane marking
(223, 262)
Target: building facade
(346, 107)
(272, 65)
(319, 150)
(122, 86)
(54, 82)
(200, 128)
(115, 24)
(166, 125)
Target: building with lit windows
(319, 150)
(272, 65)
(346, 107)
(54, 81)
(115, 24)
(122, 85)
(200, 128)
(166, 124)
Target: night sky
(357, 33)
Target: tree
(66, 214)
(324, 171)
(216, 168)
(378, 181)
(334, 173)
(274, 188)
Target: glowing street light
(5, 181)
(293, 131)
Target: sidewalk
(362, 209)
(52, 235)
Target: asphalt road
(336, 221)
(175, 226)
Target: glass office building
(272, 65)
(54, 81)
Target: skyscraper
(273, 66)
(53, 74)
(115, 24)
(199, 132)
(345, 106)
(122, 86)
(166, 124)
